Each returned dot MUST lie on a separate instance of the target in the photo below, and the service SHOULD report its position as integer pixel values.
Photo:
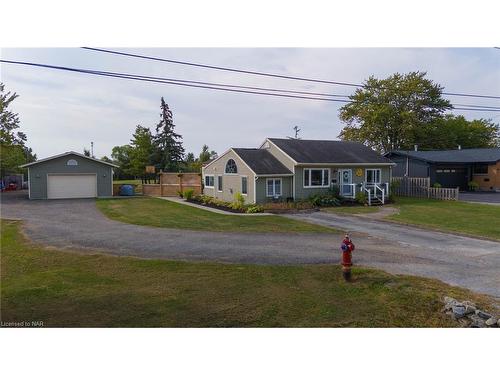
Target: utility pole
(92, 149)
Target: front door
(345, 182)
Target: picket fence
(419, 187)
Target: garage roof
(66, 154)
(468, 155)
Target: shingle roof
(320, 151)
(261, 161)
(470, 155)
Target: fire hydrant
(347, 248)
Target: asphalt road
(79, 225)
(480, 197)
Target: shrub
(361, 197)
(394, 186)
(436, 185)
(188, 194)
(239, 202)
(180, 194)
(254, 209)
(205, 199)
(327, 200)
(473, 185)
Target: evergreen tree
(142, 150)
(169, 152)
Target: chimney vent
(416, 147)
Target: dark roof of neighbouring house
(261, 161)
(321, 151)
(469, 155)
(66, 154)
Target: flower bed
(237, 207)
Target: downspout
(255, 189)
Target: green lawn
(351, 209)
(462, 217)
(162, 213)
(66, 289)
(137, 183)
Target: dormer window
(72, 162)
(231, 166)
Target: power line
(167, 81)
(214, 86)
(260, 73)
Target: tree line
(404, 110)
(13, 149)
(162, 149)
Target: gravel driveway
(78, 224)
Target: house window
(72, 162)
(373, 176)
(231, 166)
(316, 177)
(273, 187)
(480, 168)
(209, 181)
(219, 183)
(244, 185)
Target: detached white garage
(69, 175)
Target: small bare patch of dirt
(382, 213)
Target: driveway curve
(79, 225)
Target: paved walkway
(78, 224)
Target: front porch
(377, 194)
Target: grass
(162, 213)
(351, 209)
(67, 289)
(137, 184)
(461, 217)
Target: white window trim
(218, 187)
(373, 169)
(274, 187)
(205, 180)
(241, 181)
(322, 179)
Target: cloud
(63, 111)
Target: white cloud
(61, 110)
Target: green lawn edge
(70, 289)
(166, 214)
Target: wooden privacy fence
(419, 187)
(172, 183)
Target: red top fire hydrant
(347, 248)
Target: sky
(63, 111)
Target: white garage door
(61, 186)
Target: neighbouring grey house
(69, 175)
(294, 169)
(451, 168)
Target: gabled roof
(307, 151)
(66, 154)
(469, 155)
(261, 161)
